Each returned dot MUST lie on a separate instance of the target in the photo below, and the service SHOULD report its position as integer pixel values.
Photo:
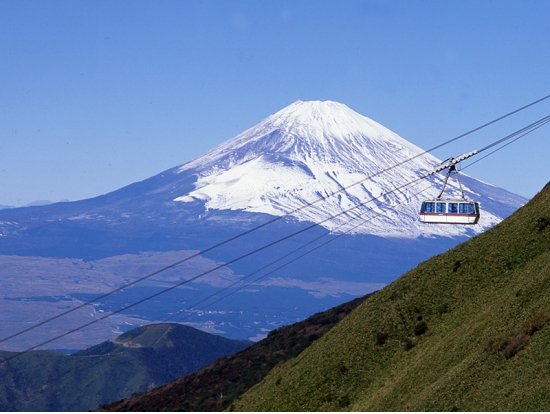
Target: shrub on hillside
(420, 328)
(456, 266)
(444, 308)
(496, 344)
(516, 344)
(510, 345)
(343, 401)
(535, 323)
(408, 344)
(542, 223)
(381, 338)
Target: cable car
(450, 210)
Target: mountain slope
(135, 361)
(466, 330)
(214, 387)
(302, 153)
(305, 152)
(310, 150)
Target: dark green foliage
(456, 266)
(343, 401)
(420, 328)
(542, 223)
(135, 361)
(444, 308)
(342, 369)
(232, 376)
(535, 323)
(408, 344)
(381, 338)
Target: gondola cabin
(458, 211)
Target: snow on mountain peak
(323, 131)
(310, 150)
(324, 120)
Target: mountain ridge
(135, 361)
(216, 386)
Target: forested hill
(135, 361)
(213, 388)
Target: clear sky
(98, 94)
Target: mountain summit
(308, 151)
(299, 156)
(302, 154)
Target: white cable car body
(450, 210)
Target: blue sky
(95, 95)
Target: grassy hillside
(135, 361)
(213, 388)
(466, 330)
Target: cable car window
(441, 208)
(453, 208)
(466, 208)
(428, 207)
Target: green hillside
(466, 330)
(214, 387)
(135, 361)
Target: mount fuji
(314, 164)
(310, 150)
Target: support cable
(102, 358)
(98, 298)
(525, 131)
(207, 272)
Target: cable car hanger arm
(451, 162)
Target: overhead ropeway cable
(336, 237)
(100, 297)
(517, 136)
(75, 371)
(266, 246)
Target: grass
(466, 330)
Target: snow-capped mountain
(59, 255)
(309, 152)
(312, 150)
